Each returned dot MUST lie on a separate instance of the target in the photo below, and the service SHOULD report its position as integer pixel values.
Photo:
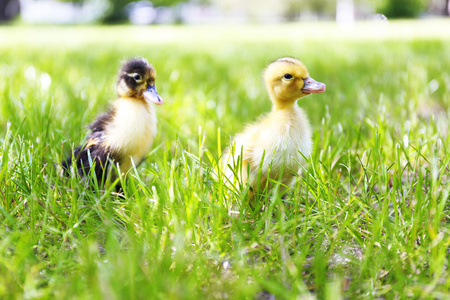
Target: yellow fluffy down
(131, 132)
(279, 138)
(274, 145)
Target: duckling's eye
(288, 76)
(137, 77)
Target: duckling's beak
(151, 95)
(311, 86)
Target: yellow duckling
(271, 146)
(124, 134)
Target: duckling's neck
(131, 98)
(283, 105)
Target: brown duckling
(123, 135)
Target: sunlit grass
(368, 218)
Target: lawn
(368, 218)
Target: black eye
(288, 76)
(137, 77)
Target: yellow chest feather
(275, 142)
(281, 137)
(131, 131)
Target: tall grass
(368, 218)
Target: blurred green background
(368, 218)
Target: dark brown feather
(93, 153)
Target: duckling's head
(137, 80)
(287, 80)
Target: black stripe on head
(135, 65)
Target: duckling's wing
(93, 153)
(90, 158)
(102, 121)
(97, 157)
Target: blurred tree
(320, 7)
(404, 8)
(293, 8)
(116, 12)
(8, 9)
(169, 2)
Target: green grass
(369, 217)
